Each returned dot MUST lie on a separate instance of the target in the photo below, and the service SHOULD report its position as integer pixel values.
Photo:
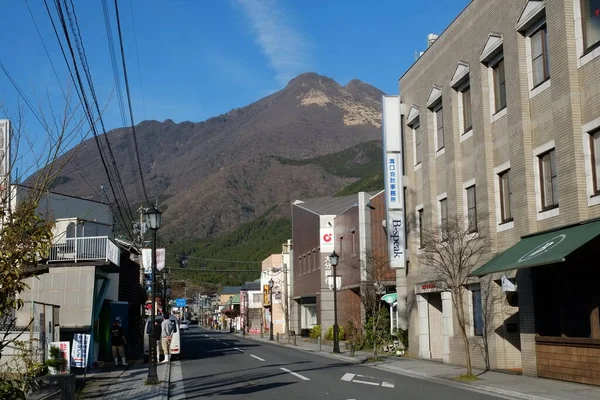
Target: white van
(175, 341)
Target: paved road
(223, 365)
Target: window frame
(462, 91)
(477, 305)
(503, 215)
(471, 207)
(416, 128)
(437, 110)
(552, 154)
(496, 83)
(595, 155)
(420, 222)
(544, 55)
(586, 48)
(443, 204)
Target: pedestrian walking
(118, 343)
(166, 336)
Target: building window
(256, 298)
(465, 96)
(499, 85)
(595, 150)
(590, 15)
(505, 197)
(439, 125)
(539, 56)
(471, 209)
(420, 222)
(444, 217)
(477, 312)
(418, 148)
(548, 180)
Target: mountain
(310, 139)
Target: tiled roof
(230, 290)
(328, 205)
(252, 285)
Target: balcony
(95, 248)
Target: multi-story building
(353, 226)
(500, 121)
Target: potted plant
(55, 363)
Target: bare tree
(375, 275)
(26, 237)
(452, 250)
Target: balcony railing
(95, 248)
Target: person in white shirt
(166, 336)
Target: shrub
(341, 333)
(315, 332)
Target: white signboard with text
(394, 182)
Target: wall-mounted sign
(327, 243)
(394, 181)
(266, 296)
(396, 238)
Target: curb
(166, 384)
(413, 374)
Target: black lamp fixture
(334, 259)
(153, 219)
(271, 284)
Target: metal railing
(85, 249)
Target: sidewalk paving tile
(125, 383)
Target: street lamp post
(334, 258)
(154, 219)
(271, 284)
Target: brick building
(500, 118)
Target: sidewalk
(515, 386)
(125, 382)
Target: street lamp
(154, 219)
(271, 284)
(334, 258)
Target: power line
(137, 153)
(137, 56)
(88, 111)
(218, 260)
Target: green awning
(390, 298)
(541, 249)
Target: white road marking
(366, 382)
(387, 384)
(257, 357)
(177, 391)
(297, 375)
(348, 377)
(240, 350)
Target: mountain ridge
(212, 175)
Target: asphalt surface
(216, 364)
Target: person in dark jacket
(118, 342)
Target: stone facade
(538, 129)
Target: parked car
(184, 325)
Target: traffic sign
(180, 302)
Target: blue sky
(200, 58)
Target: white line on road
(387, 384)
(348, 377)
(366, 382)
(297, 375)
(240, 350)
(257, 357)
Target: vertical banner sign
(79, 354)
(266, 299)
(394, 181)
(4, 161)
(147, 259)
